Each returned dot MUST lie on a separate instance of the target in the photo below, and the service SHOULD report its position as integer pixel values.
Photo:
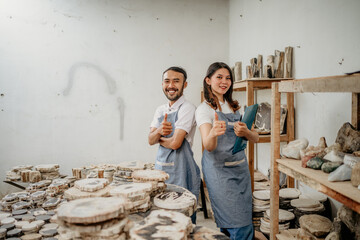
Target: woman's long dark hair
(208, 94)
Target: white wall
(323, 33)
(66, 65)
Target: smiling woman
(226, 174)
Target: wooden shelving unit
(343, 192)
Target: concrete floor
(201, 221)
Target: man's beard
(175, 97)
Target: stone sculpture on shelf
(312, 151)
(351, 160)
(342, 173)
(263, 118)
(334, 156)
(293, 148)
(315, 163)
(348, 138)
(329, 167)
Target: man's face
(173, 85)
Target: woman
(226, 175)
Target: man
(173, 127)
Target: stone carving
(348, 138)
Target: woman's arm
(241, 130)
(209, 133)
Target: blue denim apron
(227, 179)
(179, 163)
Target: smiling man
(173, 127)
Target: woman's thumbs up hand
(219, 127)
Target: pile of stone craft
(16, 172)
(306, 207)
(137, 194)
(38, 186)
(261, 203)
(125, 170)
(27, 224)
(162, 224)
(285, 197)
(26, 173)
(261, 182)
(109, 171)
(89, 187)
(94, 218)
(95, 171)
(204, 233)
(176, 198)
(48, 171)
(26, 200)
(156, 177)
(285, 218)
(322, 198)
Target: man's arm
(156, 133)
(175, 141)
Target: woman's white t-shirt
(205, 114)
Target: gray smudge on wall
(110, 83)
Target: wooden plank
(342, 83)
(275, 154)
(250, 147)
(355, 110)
(267, 138)
(343, 192)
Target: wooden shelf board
(342, 83)
(343, 192)
(264, 79)
(267, 138)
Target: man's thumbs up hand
(165, 128)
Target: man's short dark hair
(177, 69)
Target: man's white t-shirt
(186, 117)
(205, 114)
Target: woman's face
(220, 82)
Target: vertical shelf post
(275, 154)
(250, 146)
(355, 110)
(290, 128)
